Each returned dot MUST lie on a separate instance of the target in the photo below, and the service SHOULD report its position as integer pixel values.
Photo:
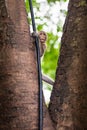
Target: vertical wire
(39, 69)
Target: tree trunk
(68, 106)
(18, 71)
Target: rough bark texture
(18, 71)
(18, 97)
(68, 107)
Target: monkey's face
(42, 36)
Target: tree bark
(18, 71)
(68, 106)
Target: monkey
(42, 45)
(42, 41)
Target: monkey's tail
(47, 79)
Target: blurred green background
(49, 16)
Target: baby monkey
(42, 45)
(42, 41)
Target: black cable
(39, 69)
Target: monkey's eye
(41, 33)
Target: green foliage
(49, 1)
(35, 4)
(27, 5)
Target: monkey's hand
(34, 34)
(32, 37)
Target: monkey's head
(42, 36)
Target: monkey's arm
(42, 44)
(42, 48)
(47, 80)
